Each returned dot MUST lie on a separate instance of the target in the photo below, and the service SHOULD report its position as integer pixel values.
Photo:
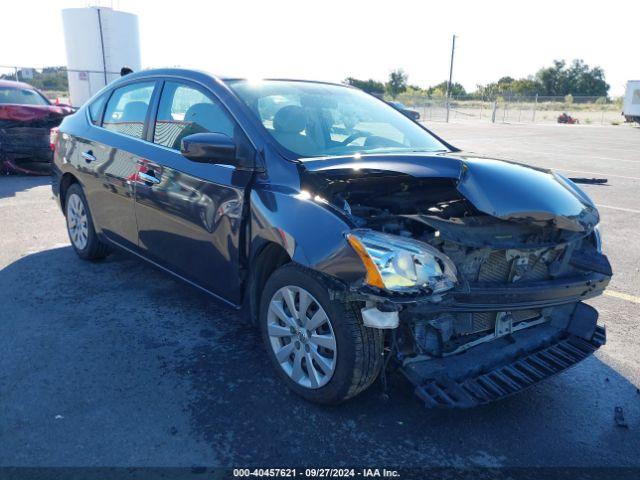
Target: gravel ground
(117, 364)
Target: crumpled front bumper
(506, 365)
(508, 359)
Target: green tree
(508, 86)
(527, 87)
(554, 79)
(370, 86)
(576, 79)
(50, 78)
(505, 82)
(440, 90)
(586, 81)
(397, 82)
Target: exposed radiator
(496, 268)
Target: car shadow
(119, 342)
(12, 184)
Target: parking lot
(117, 364)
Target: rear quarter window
(95, 109)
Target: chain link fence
(533, 109)
(52, 81)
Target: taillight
(53, 137)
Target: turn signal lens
(373, 275)
(401, 264)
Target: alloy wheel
(77, 221)
(301, 336)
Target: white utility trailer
(631, 105)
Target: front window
(21, 96)
(317, 120)
(185, 110)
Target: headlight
(399, 264)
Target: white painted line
(618, 208)
(622, 296)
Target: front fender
(308, 230)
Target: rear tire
(356, 359)
(82, 234)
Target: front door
(190, 214)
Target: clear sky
(333, 39)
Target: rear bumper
(507, 365)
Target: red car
(26, 118)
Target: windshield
(317, 120)
(21, 96)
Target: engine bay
(487, 251)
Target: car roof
(186, 72)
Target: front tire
(82, 234)
(318, 346)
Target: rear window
(21, 96)
(127, 109)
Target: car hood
(504, 189)
(32, 113)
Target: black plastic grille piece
(511, 378)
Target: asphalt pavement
(117, 364)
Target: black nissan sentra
(353, 237)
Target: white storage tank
(99, 42)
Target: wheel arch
(311, 233)
(66, 181)
(266, 260)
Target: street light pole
(453, 49)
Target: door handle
(88, 156)
(145, 177)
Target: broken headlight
(400, 264)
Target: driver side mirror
(209, 148)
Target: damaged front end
(481, 266)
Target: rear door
(111, 158)
(190, 214)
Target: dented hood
(32, 113)
(505, 190)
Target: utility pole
(453, 49)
